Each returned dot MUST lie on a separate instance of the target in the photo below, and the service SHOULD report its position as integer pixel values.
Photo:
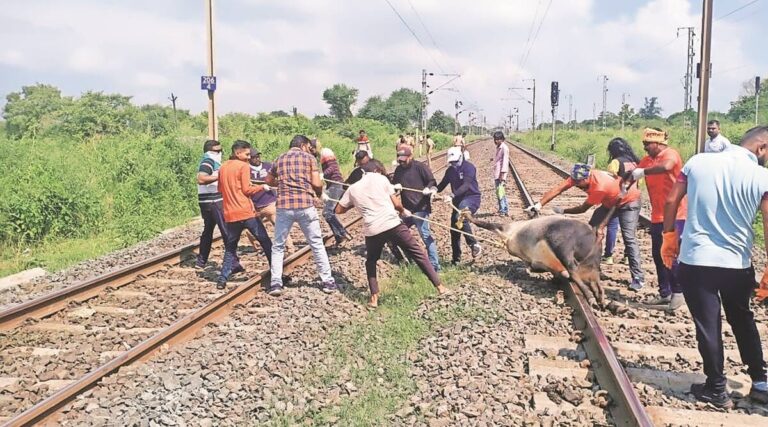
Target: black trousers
(704, 289)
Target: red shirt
(604, 189)
(660, 185)
(236, 190)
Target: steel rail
(626, 409)
(174, 334)
(53, 302)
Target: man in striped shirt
(297, 178)
(210, 201)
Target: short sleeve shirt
(716, 144)
(372, 197)
(660, 185)
(604, 189)
(294, 172)
(724, 193)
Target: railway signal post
(555, 98)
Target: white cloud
(273, 55)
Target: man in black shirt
(361, 158)
(416, 175)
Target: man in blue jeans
(416, 175)
(462, 177)
(297, 178)
(725, 191)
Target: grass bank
(375, 351)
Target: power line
(536, 36)
(737, 9)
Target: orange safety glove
(670, 248)
(761, 294)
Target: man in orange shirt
(605, 190)
(236, 189)
(661, 168)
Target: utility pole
(533, 104)
(456, 118)
(575, 118)
(423, 126)
(213, 131)
(604, 78)
(570, 109)
(173, 99)
(622, 112)
(705, 69)
(757, 97)
(688, 83)
(594, 116)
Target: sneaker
(636, 285)
(607, 260)
(476, 250)
(660, 300)
(330, 287)
(704, 394)
(275, 290)
(221, 284)
(625, 260)
(238, 269)
(677, 301)
(199, 266)
(759, 394)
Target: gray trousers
(629, 217)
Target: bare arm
(663, 167)
(679, 191)
(271, 180)
(317, 183)
(341, 209)
(578, 209)
(551, 194)
(204, 178)
(398, 204)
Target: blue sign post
(208, 83)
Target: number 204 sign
(208, 82)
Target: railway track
(646, 358)
(57, 346)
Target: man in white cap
(462, 177)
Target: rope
(491, 241)
(404, 188)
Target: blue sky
(274, 54)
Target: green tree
(403, 108)
(627, 114)
(341, 98)
(374, 108)
(441, 122)
(96, 113)
(33, 111)
(651, 109)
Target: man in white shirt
(716, 142)
(374, 197)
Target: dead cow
(565, 247)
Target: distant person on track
(374, 197)
(660, 168)
(210, 200)
(724, 191)
(500, 171)
(297, 178)
(430, 149)
(414, 174)
(363, 144)
(333, 192)
(361, 158)
(236, 189)
(622, 160)
(716, 142)
(604, 189)
(461, 175)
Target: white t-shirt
(716, 144)
(371, 196)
